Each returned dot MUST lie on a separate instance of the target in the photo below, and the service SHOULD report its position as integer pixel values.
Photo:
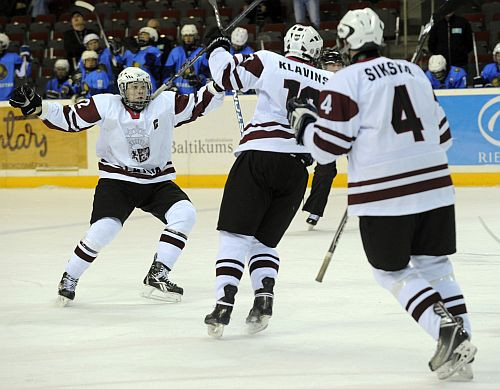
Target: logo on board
(488, 121)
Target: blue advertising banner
(475, 126)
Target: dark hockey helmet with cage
(331, 55)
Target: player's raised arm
(69, 118)
(238, 72)
(190, 107)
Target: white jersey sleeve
(190, 107)
(75, 117)
(383, 114)
(238, 72)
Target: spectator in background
(312, 6)
(163, 43)
(443, 76)
(147, 56)
(95, 81)
(239, 38)
(38, 7)
(60, 86)
(451, 37)
(491, 72)
(73, 39)
(12, 65)
(195, 77)
(91, 42)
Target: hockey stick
(446, 8)
(236, 99)
(188, 64)
(91, 8)
(329, 253)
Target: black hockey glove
(27, 99)
(300, 114)
(214, 39)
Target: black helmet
(331, 55)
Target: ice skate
(157, 286)
(66, 292)
(221, 314)
(454, 351)
(312, 220)
(262, 310)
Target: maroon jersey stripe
(254, 65)
(399, 191)
(262, 134)
(398, 176)
(335, 133)
(328, 146)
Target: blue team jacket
(456, 78)
(138, 60)
(8, 64)
(491, 71)
(95, 82)
(176, 59)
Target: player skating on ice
(383, 114)
(135, 168)
(267, 181)
(324, 175)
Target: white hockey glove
(300, 114)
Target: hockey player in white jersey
(383, 114)
(135, 168)
(268, 179)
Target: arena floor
(344, 333)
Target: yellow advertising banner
(27, 143)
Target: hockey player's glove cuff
(27, 99)
(300, 114)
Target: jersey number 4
(404, 118)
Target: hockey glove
(300, 114)
(25, 52)
(27, 99)
(52, 94)
(214, 39)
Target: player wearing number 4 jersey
(268, 179)
(383, 114)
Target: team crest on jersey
(138, 142)
(3, 72)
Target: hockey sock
(439, 272)
(180, 221)
(233, 249)
(415, 295)
(263, 262)
(98, 235)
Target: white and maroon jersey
(132, 146)
(383, 114)
(275, 80)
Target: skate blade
(152, 293)
(310, 227)
(462, 355)
(464, 374)
(63, 301)
(215, 330)
(255, 327)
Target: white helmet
(90, 37)
(88, 54)
(62, 64)
(496, 50)
(360, 29)
(189, 29)
(136, 101)
(153, 34)
(4, 41)
(303, 42)
(437, 63)
(239, 36)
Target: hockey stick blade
(188, 64)
(331, 250)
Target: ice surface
(347, 332)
